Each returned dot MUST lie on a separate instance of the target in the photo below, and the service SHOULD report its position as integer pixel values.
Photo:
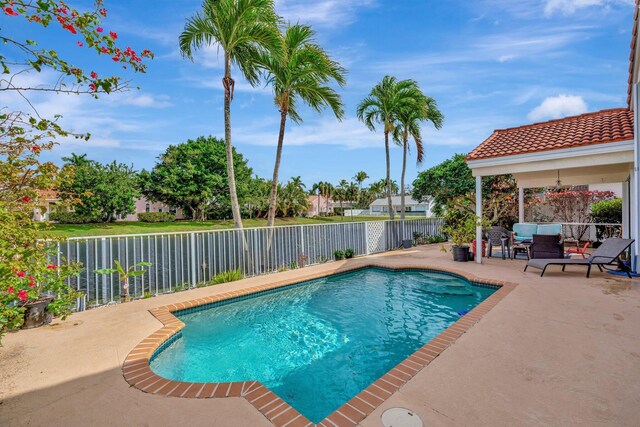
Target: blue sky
(489, 64)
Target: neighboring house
(320, 205)
(48, 201)
(411, 207)
(144, 205)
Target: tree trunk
(274, 183)
(386, 148)
(228, 95)
(404, 169)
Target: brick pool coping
(137, 371)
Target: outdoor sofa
(605, 254)
(524, 231)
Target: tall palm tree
(301, 71)
(408, 125)
(243, 29)
(382, 106)
(359, 178)
(324, 189)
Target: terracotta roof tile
(586, 129)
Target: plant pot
(460, 253)
(407, 244)
(36, 313)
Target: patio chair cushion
(547, 247)
(549, 229)
(524, 231)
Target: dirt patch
(9, 360)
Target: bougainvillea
(26, 271)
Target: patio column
(479, 215)
(635, 183)
(626, 214)
(520, 204)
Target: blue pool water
(318, 344)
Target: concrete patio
(558, 350)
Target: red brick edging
(137, 371)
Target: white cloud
(506, 58)
(555, 107)
(142, 100)
(325, 13)
(568, 7)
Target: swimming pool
(318, 343)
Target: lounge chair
(606, 254)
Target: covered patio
(592, 148)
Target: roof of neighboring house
(395, 200)
(599, 127)
(632, 55)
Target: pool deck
(558, 350)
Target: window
(147, 207)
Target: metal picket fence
(185, 259)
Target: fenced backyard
(182, 260)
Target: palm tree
(408, 125)
(243, 29)
(325, 189)
(300, 71)
(382, 106)
(359, 178)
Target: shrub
(339, 254)
(72, 218)
(349, 253)
(228, 276)
(156, 217)
(608, 212)
(435, 239)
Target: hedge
(156, 217)
(72, 218)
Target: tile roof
(586, 129)
(632, 55)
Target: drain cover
(400, 417)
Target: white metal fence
(182, 260)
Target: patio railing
(186, 259)
(589, 231)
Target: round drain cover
(400, 417)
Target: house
(411, 207)
(49, 201)
(320, 205)
(601, 147)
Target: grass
(79, 230)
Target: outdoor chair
(499, 236)
(579, 250)
(605, 254)
(546, 246)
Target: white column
(635, 183)
(520, 204)
(626, 217)
(479, 215)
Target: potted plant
(339, 254)
(32, 288)
(461, 232)
(349, 253)
(124, 275)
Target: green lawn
(77, 230)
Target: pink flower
(20, 273)
(22, 295)
(32, 282)
(35, 149)
(113, 35)
(10, 12)
(94, 75)
(99, 29)
(10, 290)
(93, 87)
(52, 266)
(26, 199)
(104, 49)
(80, 44)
